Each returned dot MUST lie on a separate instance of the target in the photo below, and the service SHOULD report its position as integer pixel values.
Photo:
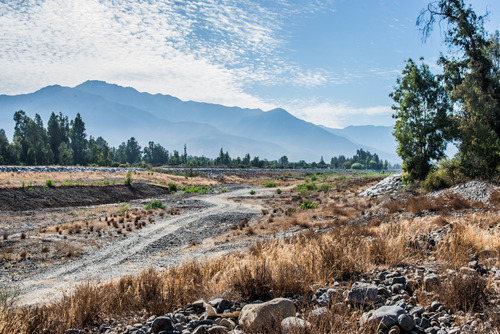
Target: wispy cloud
(209, 50)
(339, 115)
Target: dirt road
(167, 242)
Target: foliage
(49, 183)
(223, 190)
(154, 205)
(473, 82)
(252, 192)
(423, 125)
(199, 190)
(172, 187)
(308, 205)
(306, 188)
(270, 184)
(357, 165)
(278, 191)
(435, 180)
(128, 179)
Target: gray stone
(431, 282)
(417, 311)
(435, 305)
(386, 316)
(262, 316)
(202, 329)
(362, 293)
(162, 324)
(217, 330)
(72, 331)
(406, 322)
(228, 323)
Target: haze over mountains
(117, 113)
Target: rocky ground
(414, 296)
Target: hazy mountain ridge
(118, 113)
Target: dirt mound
(21, 199)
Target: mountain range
(117, 113)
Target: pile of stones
(47, 169)
(388, 186)
(387, 301)
(475, 191)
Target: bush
(308, 205)
(270, 184)
(306, 188)
(467, 293)
(49, 183)
(223, 190)
(172, 187)
(357, 165)
(278, 191)
(199, 190)
(154, 205)
(252, 192)
(128, 179)
(435, 180)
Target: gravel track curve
(165, 243)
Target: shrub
(270, 184)
(154, 205)
(306, 188)
(308, 205)
(223, 190)
(128, 179)
(435, 180)
(467, 293)
(172, 187)
(278, 191)
(357, 165)
(252, 192)
(49, 183)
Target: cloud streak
(209, 50)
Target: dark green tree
(473, 81)
(78, 140)
(422, 109)
(133, 151)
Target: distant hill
(117, 113)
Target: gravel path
(162, 244)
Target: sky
(330, 62)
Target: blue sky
(331, 62)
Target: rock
(417, 311)
(362, 293)
(406, 322)
(435, 305)
(228, 323)
(385, 317)
(202, 329)
(329, 296)
(103, 328)
(72, 331)
(259, 317)
(293, 325)
(162, 324)
(217, 330)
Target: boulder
(406, 322)
(385, 317)
(265, 316)
(363, 293)
(162, 324)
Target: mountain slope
(117, 113)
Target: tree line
(461, 105)
(65, 142)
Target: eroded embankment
(31, 198)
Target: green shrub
(172, 187)
(306, 188)
(314, 178)
(49, 183)
(357, 165)
(308, 205)
(252, 192)
(199, 190)
(278, 191)
(223, 190)
(325, 187)
(154, 205)
(128, 179)
(436, 180)
(270, 184)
